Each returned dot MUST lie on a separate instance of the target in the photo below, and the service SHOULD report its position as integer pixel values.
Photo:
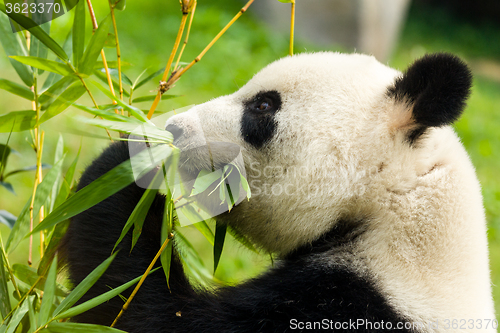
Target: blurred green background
(147, 30)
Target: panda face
(324, 137)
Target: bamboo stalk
(167, 85)
(141, 281)
(292, 27)
(118, 52)
(169, 63)
(40, 178)
(103, 55)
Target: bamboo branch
(187, 36)
(141, 281)
(169, 63)
(166, 85)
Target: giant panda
(383, 228)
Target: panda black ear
(435, 88)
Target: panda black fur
(366, 250)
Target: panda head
(327, 137)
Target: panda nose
(175, 130)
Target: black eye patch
(258, 124)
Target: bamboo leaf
(148, 78)
(15, 46)
(52, 77)
(42, 193)
(142, 130)
(51, 249)
(30, 276)
(92, 303)
(17, 316)
(220, 236)
(4, 289)
(28, 168)
(7, 218)
(45, 64)
(55, 90)
(152, 97)
(36, 31)
(101, 75)
(68, 97)
(17, 121)
(8, 186)
(16, 89)
(78, 32)
(66, 327)
(132, 109)
(166, 230)
(89, 58)
(84, 286)
(205, 179)
(48, 293)
(242, 239)
(31, 313)
(105, 186)
(38, 49)
(205, 231)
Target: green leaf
(4, 289)
(31, 313)
(287, 1)
(205, 179)
(205, 231)
(105, 186)
(84, 286)
(139, 213)
(38, 49)
(94, 47)
(114, 72)
(78, 32)
(92, 303)
(242, 239)
(8, 187)
(166, 230)
(30, 276)
(14, 45)
(17, 121)
(57, 185)
(101, 75)
(48, 293)
(7, 218)
(191, 258)
(51, 249)
(143, 130)
(220, 236)
(132, 109)
(112, 64)
(53, 77)
(17, 89)
(110, 40)
(66, 327)
(28, 168)
(148, 78)
(45, 64)
(4, 154)
(152, 98)
(17, 316)
(37, 32)
(42, 193)
(68, 97)
(55, 90)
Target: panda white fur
(359, 185)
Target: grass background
(147, 30)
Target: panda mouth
(211, 157)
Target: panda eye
(265, 105)
(265, 102)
